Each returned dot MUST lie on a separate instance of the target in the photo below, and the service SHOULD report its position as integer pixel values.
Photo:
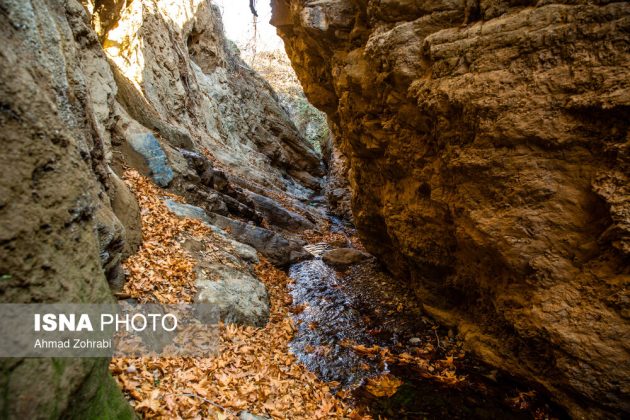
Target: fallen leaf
(383, 386)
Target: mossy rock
(99, 398)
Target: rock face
(58, 232)
(278, 215)
(178, 76)
(279, 250)
(337, 189)
(488, 148)
(87, 89)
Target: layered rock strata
(488, 148)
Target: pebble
(414, 341)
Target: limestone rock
(337, 188)
(125, 206)
(245, 252)
(238, 296)
(148, 146)
(279, 250)
(111, 238)
(179, 77)
(277, 215)
(54, 151)
(163, 79)
(187, 210)
(344, 257)
(487, 152)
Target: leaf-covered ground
(253, 370)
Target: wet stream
(340, 312)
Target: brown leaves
(161, 271)
(443, 371)
(383, 386)
(253, 369)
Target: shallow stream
(341, 314)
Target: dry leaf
(383, 386)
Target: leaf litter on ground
(253, 370)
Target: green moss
(99, 398)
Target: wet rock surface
(279, 250)
(487, 153)
(342, 258)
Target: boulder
(344, 257)
(238, 297)
(278, 215)
(245, 252)
(187, 210)
(276, 248)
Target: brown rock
(488, 149)
(344, 257)
(57, 230)
(125, 206)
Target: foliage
(253, 370)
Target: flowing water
(337, 311)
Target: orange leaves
(360, 348)
(150, 404)
(161, 271)
(383, 386)
(253, 369)
(443, 371)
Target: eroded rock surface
(89, 89)
(488, 156)
(343, 258)
(58, 234)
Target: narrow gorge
(421, 210)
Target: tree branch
(252, 7)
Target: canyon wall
(488, 147)
(88, 90)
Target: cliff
(488, 147)
(92, 89)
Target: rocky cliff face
(59, 233)
(89, 89)
(488, 146)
